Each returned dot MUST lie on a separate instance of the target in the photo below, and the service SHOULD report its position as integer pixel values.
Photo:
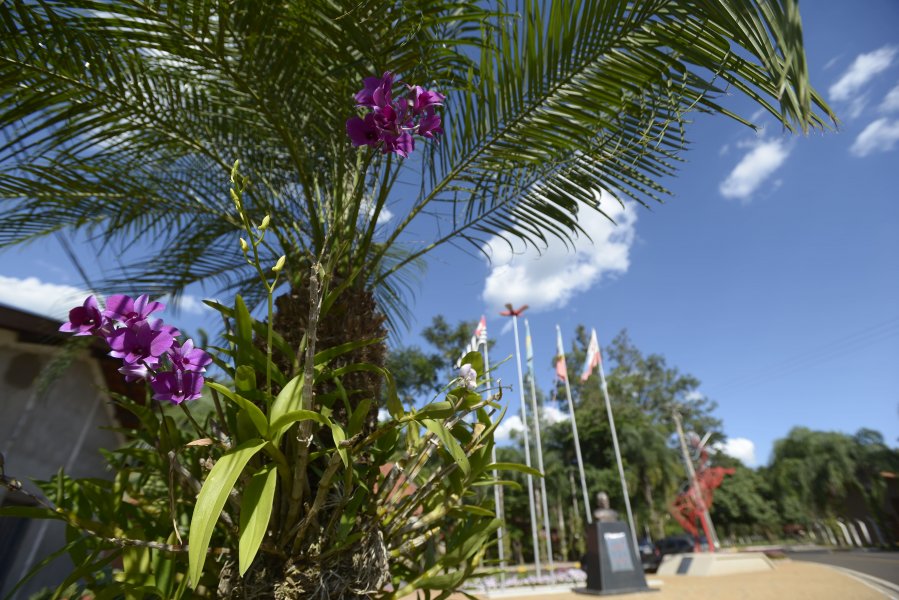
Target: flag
(528, 347)
(561, 367)
(479, 337)
(481, 331)
(593, 357)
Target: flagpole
(543, 503)
(497, 489)
(524, 421)
(577, 442)
(627, 500)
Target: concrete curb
(888, 589)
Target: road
(883, 565)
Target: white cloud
(880, 136)
(548, 279)
(368, 209)
(857, 106)
(384, 216)
(552, 415)
(192, 304)
(832, 62)
(35, 296)
(740, 448)
(187, 303)
(55, 300)
(891, 101)
(765, 157)
(694, 396)
(510, 423)
(861, 71)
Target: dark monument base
(612, 563)
(614, 592)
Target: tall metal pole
(577, 442)
(711, 536)
(527, 444)
(497, 489)
(627, 499)
(536, 413)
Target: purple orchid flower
(135, 372)
(160, 325)
(391, 124)
(177, 386)
(423, 99)
(122, 308)
(86, 319)
(376, 91)
(187, 358)
(139, 343)
(430, 126)
(363, 132)
(403, 144)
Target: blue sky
(772, 274)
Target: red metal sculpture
(687, 508)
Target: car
(649, 555)
(675, 544)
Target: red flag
(481, 331)
(593, 357)
(561, 367)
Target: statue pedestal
(719, 563)
(612, 563)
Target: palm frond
(578, 97)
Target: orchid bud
(280, 264)
(468, 376)
(264, 225)
(244, 246)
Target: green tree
(813, 474)
(415, 372)
(743, 505)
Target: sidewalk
(789, 580)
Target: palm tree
(122, 119)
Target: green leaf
(450, 443)
(478, 510)
(507, 466)
(446, 581)
(211, 500)
(357, 419)
(30, 512)
(510, 483)
(255, 413)
(245, 378)
(339, 436)
(289, 399)
(243, 331)
(285, 421)
(86, 569)
(436, 410)
(255, 512)
(325, 356)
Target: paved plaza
(791, 580)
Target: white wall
(38, 435)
